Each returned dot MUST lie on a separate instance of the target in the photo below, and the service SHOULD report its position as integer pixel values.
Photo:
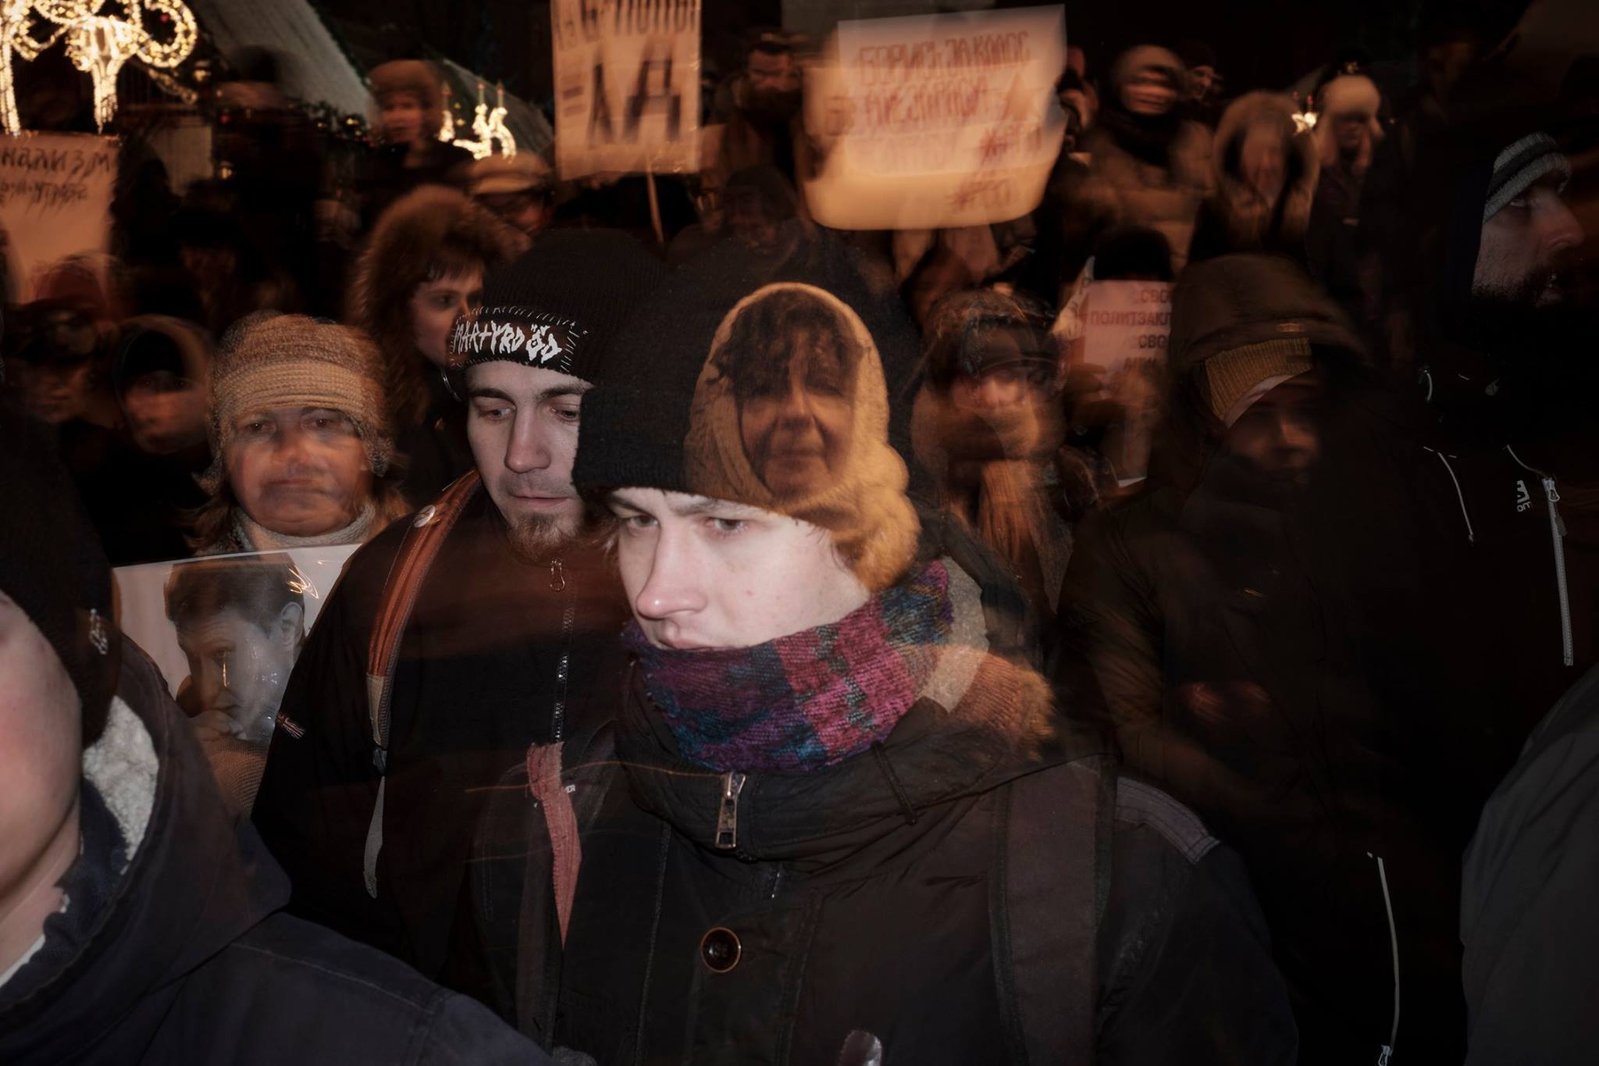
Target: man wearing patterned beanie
(460, 636)
(829, 822)
(300, 429)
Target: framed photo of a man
(226, 631)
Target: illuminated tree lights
(488, 127)
(100, 37)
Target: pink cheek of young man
(40, 753)
(726, 576)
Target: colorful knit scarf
(809, 699)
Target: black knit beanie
(558, 306)
(52, 567)
(667, 408)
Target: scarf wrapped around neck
(809, 699)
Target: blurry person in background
(1347, 134)
(987, 426)
(61, 363)
(1206, 87)
(224, 268)
(162, 379)
(520, 189)
(1265, 173)
(139, 922)
(503, 638)
(409, 97)
(1149, 164)
(422, 269)
(240, 623)
(1264, 625)
(756, 117)
(300, 432)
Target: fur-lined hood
(431, 227)
(1250, 220)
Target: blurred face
(400, 118)
(1523, 248)
(795, 424)
(1202, 81)
(1262, 162)
(435, 305)
(298, 471)
(1149, 93)
(527, 211)
(773, 73)
(704, 573)
(522, 423)
(1350, 131)
(40, 747)
(58, 391)
(1277, 433)
(165, 413)
(238, 669)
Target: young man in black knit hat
(138, 922)
(829, 822)
(461, 635)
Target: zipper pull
(557, 576)
(1387, 1053)
(1553, 494)
(727, 813)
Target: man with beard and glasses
(462, 635)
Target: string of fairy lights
(100, 37)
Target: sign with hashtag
(627, 86)
(937, 120)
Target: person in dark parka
(138, 923)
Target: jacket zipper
(1557, 539)
(1393, 943)
(727, 812)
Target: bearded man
(462, 635)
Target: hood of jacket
(1250, 219)
(195, 882)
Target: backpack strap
(407, 573)
(1053, 880)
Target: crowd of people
(776, 644)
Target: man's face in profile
(1524, 247)
(238, 669)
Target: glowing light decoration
(488, 127)
(101, 36)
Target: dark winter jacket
(1277, 655)
(184, 956)
(478, 678)
(875, 896)
(1532, 944)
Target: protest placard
(627, 86)
(1126, 327)
(55, 201)
(226, 630)
(936, 120)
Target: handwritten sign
(937, 120)
(55, 200)
(1126, 328)
(627, 85)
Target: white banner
(1126, 328)
(226, 630)
(936, 120)
(55, 201)
(627, 86)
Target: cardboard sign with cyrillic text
(55, 201)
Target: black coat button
(720, 949)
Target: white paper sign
(936, 120)
(55, 201)
(1126, 328)
(627, 86)
(244, 618)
